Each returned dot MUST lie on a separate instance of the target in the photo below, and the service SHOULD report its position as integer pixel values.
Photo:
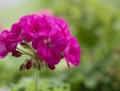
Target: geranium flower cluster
(47, 38)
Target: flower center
(48, 42)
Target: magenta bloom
(14, 37)
(3, 49)
(72, 52)
(47, 37)
(27, 26)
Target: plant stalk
(36, 79)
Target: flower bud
(16, 53)
(22, 67)
(52, 67)
(28, 64)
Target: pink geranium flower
(72, 52)
(3, 38)
(14, 37)
(30, 25)
(46, 37)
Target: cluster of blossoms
(47, 38)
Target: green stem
(36, 79)
(24, 52)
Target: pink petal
(72, 52)
(3, 50)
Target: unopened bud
(52, 67)
(28, 64)
(16, 53)
(22, 67)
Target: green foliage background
(95, 23)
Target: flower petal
(3, 50)
(72, 52)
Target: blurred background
(95, 23)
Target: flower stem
(24, 52)
(36, 79)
